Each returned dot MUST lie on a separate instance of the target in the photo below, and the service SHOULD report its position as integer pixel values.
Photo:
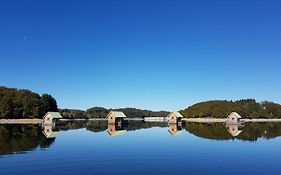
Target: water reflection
(234, 129)
(49, 131)
(22, 138)
(96, 126)
(116, 124)
(175, 129)
(246, 132)
(115, 130)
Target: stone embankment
(20, 121)
(204, 120)
(220, 120)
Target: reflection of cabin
(233, 118)
(234, 130)
(175, 129)
(51, 117)
(174, 118)
(114, 130)
(115, 117)
(49, 133)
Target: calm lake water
(140, 148)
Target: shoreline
(39, 121)
(194, 120)
(224, 120)
(21, 121)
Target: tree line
(247, 108)
(22, 103)
(100, 112)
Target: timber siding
(114, 117)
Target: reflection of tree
(20, 138)
(251, 131)
(215, 131)
(135, 125)
(71, 125)
(96, 126)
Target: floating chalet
(233, 119)
(51, 117)
(174, 118)
(115, 117)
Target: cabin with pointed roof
(115, 117)
(233, 118)
(51, 117)
(174, 118)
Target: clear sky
(159, 55)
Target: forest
(100, 112)
(22, 103)
(247, 108)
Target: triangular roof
(117, 114)
(234, 130)
(55, 115)
(175, 133)
(177, 114)
(117, 133)
(51, 135)
(236, 133)
(235, 114)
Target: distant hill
(248, 108)
(100, 112)
(73, 113)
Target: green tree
(21, 103)
(49, 103)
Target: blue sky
(160, 55)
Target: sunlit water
(196, 149)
